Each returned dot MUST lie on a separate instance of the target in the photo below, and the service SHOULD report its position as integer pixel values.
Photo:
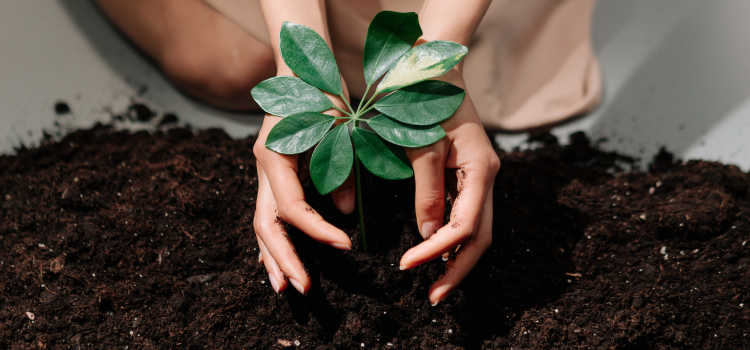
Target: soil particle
(62, 108)
(168, 118)
(200, 278)
(140, 112)
(558, 210)
(56, 265)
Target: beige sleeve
(530, 64)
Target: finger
(275, 275)
(343, 197)
(465, 260)
(472, 189)
(447, 255)
(429, 176)
(270, 229)
(290, 202)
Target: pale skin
(280, 195)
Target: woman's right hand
(281, 198)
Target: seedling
(411, 113)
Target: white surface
(677, 74)
(65, 50)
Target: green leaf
(421, 63)
(403, 134)
(381, 158)
(284, 96)
(308, 55)
(332, 160)
(389, 36)
(299, 132)
(424, 103)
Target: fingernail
(341, 246)
(346, 201)
(446, 256)
(443, 292)
(429, 228)
(274, 284)
(297, 286)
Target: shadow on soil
(525, 267)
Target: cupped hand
(467, 150)
(281, 198)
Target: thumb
(343, 197)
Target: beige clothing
(530, 63)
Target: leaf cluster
(410, 113)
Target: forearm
(451, 20)
(308, 13)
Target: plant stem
(357, 176)
(347, 104)
(359, 108)
(367, 104)
(342, 111)
(358, 185)
(367, 110)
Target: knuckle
(256, 226)
(431, 156)
(487, 165)
(463, 235)
(283, 211)
(259, 149)
(262, 225)
(432, 202)
(484, 240)
(493, 164)
(286, 211)
(262, 228)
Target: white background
(677, 74)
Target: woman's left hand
(468, 234)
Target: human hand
(467, 149)
(280, 197)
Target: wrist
(283, 70)
(440, 33)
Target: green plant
(410, 113)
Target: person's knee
(220, 77)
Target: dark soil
(168, 118)
(113, 240)
(61, 108)
(140, 112)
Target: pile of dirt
(118, 240)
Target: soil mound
(145, 240)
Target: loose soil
(113, 240)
